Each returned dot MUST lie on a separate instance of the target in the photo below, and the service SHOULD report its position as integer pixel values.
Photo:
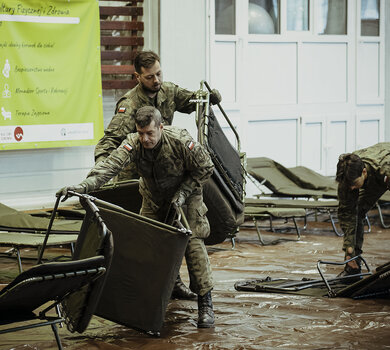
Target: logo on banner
(18, 133)
(6, 69)
(6, 114)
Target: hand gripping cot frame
(73, 287)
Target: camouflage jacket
(176, 163)
(169, 99)
(377, 162)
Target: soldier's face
(150, 79)
(150, 135)
(359, 182)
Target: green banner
(50, 77)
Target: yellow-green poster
(50, 80)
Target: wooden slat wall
(120, 39)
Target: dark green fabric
(274, 212)
(291, 203)
(33, 239)
(145, 264)
(284, 182)
(12, 219)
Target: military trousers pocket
(198, 221)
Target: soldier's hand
(178, 199)
(215, 97)
(65, 191)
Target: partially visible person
(363, 177)
(172, 168)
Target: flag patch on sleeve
(386, 179)
(122, 110)
(191, 145)
(128, 147)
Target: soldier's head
(351, 171)
(148, 122)
(148, 72)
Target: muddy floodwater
(250, 320)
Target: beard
(155, 88)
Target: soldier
(150, 91)
(172, 169)
(363, 177)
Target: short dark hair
(145, 59)
(145, 115)
(349, 167)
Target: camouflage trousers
(198, 263)
(367, 199)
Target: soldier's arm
(347, 210)
(385, 171)
(121, 124)
(198, 165)
(104, 171)
(182, 100)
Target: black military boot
(205, 311)
(181, 291)
(351, 268)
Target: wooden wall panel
(121, 37)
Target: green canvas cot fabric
(274, 212)
(34, 240)
(12, 219)
(311, 179)
(289, 203)
(282, 181)
(146, 261)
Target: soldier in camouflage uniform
(172, 168)
(363, 177)
(150, 91)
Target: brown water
(248, 320)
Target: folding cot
(299, 187)
(20, 230)
(223, 193)
(257, 213)
(71, 287)
(363, 285)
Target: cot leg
(368, 224)
(233, 241)
(381, 216)
(258, 231)
(58, 340)
(19, 259)
(297, 229)
(334, 225)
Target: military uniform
(176, 163)
(169, 99)
(354, 204)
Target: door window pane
(225, 17)
(369, 15)
(332, 17)
(298, 15)
(263, 17)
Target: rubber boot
(205, 311)
(181, 291)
